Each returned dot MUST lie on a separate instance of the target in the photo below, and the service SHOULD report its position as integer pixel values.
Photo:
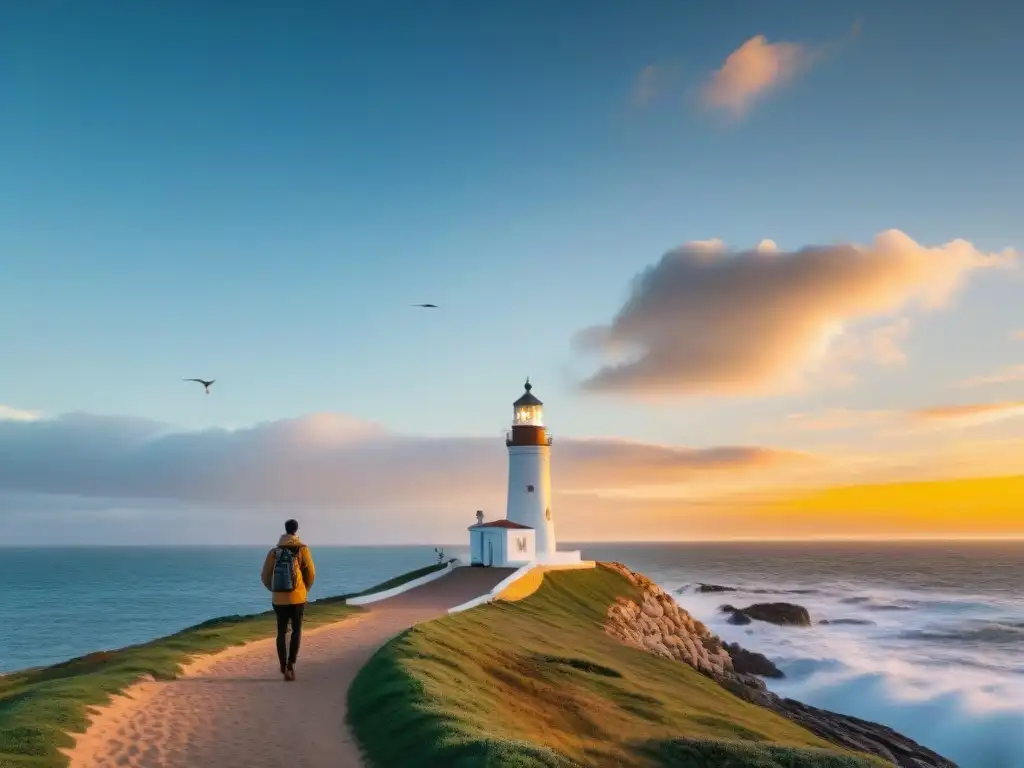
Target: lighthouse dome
(528, 397)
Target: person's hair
(291, 526)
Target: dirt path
(233, 710)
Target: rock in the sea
(739, 618)
(714, 588)
(848, 622)
(785, 614)
(751, 663)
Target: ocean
(937, 650)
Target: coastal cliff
(597, 668)
(655, 623)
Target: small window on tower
(529, 489)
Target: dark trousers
(286, 613)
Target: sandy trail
(233, 710)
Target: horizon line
(738, 540)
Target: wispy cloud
(646, 85)
(708, 320)
(751, 71)
(895, 422)
(9, 413)
(1004, 375)
(840, 419)
(969, 414)
(758, 67)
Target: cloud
(707, 320)
(646, 85)
(82, 478)
(879, 345)
(840, 419)
(1018, 335)
(898, 423)
(1004, 375)
(323, 460)
(968, 414)
(8, 413)
(751, 71)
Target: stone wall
(658, 625)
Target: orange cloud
(751, 71)
(1019, 335)
(706, 320)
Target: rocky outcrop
(656, 624)
(784, 614)
(861, 735)
(751, 662)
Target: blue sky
(255, 195)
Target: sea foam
(947, 670)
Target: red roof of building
(501, 524)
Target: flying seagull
(425, 306)
(206, 384)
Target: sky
(739, 250)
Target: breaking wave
(947, 670)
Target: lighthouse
(526, 535)
(529, 471)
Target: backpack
(285, 576)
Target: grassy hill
(537, 682)
(39, 708)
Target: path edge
(375, 597)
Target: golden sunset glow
(969, 508)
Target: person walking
(288, 572)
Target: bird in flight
(206, 384)
(425, 306)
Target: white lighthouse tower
(529, 472)
(527, 533)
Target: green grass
(39, 708)
(537, 683)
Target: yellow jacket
(306, 571)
